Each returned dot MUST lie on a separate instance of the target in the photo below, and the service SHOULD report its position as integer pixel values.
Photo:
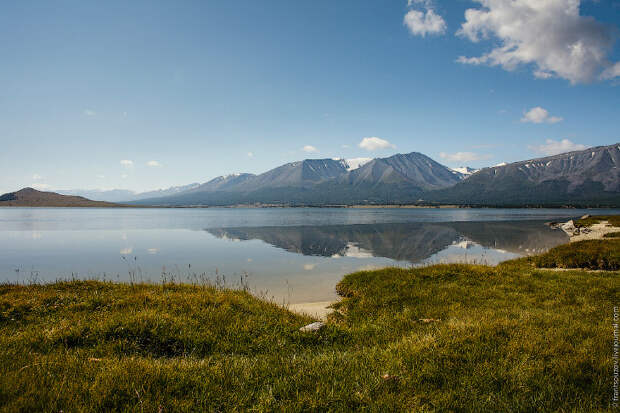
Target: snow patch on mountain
(465, 170)
(355, 163)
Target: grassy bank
(589, 254)
(613, 220)
(458, 337)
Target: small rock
(430, 320)
(313, 327)
(569, 227)
(389, 377)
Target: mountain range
(587, 178)
(582, 178)
(398, 178)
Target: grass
(613, 220)
(444, 337)
(612, 235)
(587, 254)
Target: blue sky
(204, 88)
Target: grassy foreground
(456, 337)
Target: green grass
(510, 338)
(613, 220)
(612, 235)
(588, 254)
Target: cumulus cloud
(421, 19)
(153, 163)
(539, 115)
(551, 147)
(464, 156)
(373, 143)
(550, 36)
(127, 163)
(310, 149)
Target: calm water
(294, 255)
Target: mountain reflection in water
(412, 242)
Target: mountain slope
(296, 174)
(412, 169)
(589, 177)
(29, 197)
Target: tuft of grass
(587, 254)
(613, 220)
(612, 235)
(439, 338)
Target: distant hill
(29, 197)
(124, 195)
(589, 177)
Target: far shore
(360, 206)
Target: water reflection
(299, 263)
(412, 242)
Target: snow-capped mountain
(590, 176)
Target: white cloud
(100, 176)
(127, 163)
(373, 143)
(539, 115)
(310, 149)
(611, 72)
(89, 112)
(423, 20)
(464, 156)
(551, 147)
(550, 35)
(37, 177)
(250, 154)
(153, 163)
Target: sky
(149, 94)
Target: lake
(292, 255)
